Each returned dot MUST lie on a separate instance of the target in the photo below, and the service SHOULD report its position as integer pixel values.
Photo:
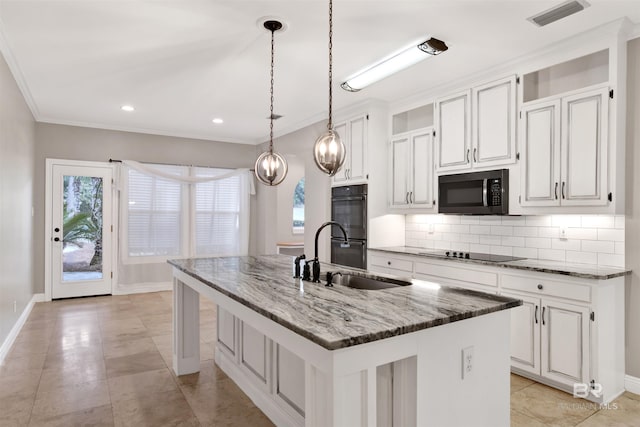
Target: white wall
(632, 241)
(78, 143)
(16, 199)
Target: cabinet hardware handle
(388, 262)
(543, 310)
(467, 155)
(411, 197)
(56, 239)
(556, 191)
(406, 198)
(540, 286)
(563, 183)
(536, 314)
(56, 229)
(474, 155)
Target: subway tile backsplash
(587, 239)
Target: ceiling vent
(561, 11)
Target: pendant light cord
(330, 125)
(271, 90)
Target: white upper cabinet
(453, 131)
(354, 136)
(584, 148)
(412, 178)
(477, 128)
(564, 150)
(494, 123)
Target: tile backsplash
(587, 239)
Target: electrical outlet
(467, 361)
(563, 233)
(15, 306)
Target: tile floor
(106, 361)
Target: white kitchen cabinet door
(357, 151)
(494, 123)
(565, 342)
(255, 354)
(525, 334)
(540, 162)
(400, 159)
(226, 328)
(584, 148)
(289, 380)
(341, 175)
(453, 132)
(421, 167)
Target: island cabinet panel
(227, 331)
(255, 354)
(289, 384)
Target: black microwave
(475, 193)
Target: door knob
(56, 229)
(56, 239)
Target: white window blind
(217, 214)
(154, 215)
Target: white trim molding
(632, 384)
(13, 334)
(139, 288)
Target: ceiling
(183, 62)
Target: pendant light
(329, 151)
(271, 168)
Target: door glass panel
(82, 228)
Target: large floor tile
(521, 420)
(168, 408)
(550, 406)
(70, 398)
(137, 386)
(120, 348)
(24, 363)
(622, 412)
(101, 416)
(134, 364)
(209, 372)
(82, 372)
(518, 382)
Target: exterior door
(81, 230)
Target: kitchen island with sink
(422, 354)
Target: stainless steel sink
(369, 283)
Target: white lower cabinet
(227, 332)
(289, 381)
(551, 339)
(255, 354)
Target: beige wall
(78, 143)
(632, 245)
(16, 199)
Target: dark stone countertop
(337, 317)
(584, 271)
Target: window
(165, 218)
(154, 215)
(298, 208)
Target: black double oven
(349, 208)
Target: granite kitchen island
(312, 355)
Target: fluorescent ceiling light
(127, 108)
(395, 63)
(218, 121)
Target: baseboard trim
(13, 334)
(632, 384)
(139, 288)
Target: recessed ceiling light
(128, 108)
(218, 121)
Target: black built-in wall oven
(349, 208)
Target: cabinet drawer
(391, 263)
(457, 273)
(546, 287)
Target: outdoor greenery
(298, 204)
(83, 213)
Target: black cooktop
(480, 256)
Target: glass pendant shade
(270, 168)
(329, 152)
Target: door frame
(48, 222)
